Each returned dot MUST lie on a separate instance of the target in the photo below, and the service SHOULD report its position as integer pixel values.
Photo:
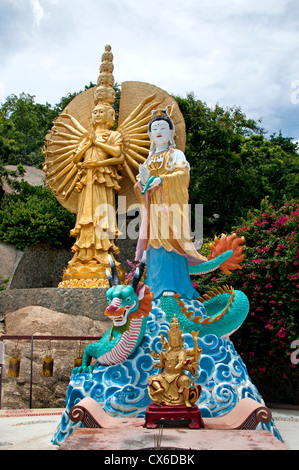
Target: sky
(229, 52)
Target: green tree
(24, 125)
(233, 165)
(32, 215)
(8, 146)
(9, 177)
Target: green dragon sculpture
(128, 308)
(219, 312)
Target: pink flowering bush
(270, 279)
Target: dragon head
(127, 301)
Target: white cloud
(38, 12)
(234, 52)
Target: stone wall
(39, 266)
(34, 305)
(47, 392)
(42, 265)
(47, 311)
(85, 302)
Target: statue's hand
(144, 174)
(152, 183)
(82, 370)
(154, 354)
(157, 181)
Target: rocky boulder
(47, 392)
(9, 256)
(32, 175)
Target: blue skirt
(168, 271)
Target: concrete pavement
(33, 429)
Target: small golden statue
(172, 386)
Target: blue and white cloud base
(122, 389)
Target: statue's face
(100, 93)
(160, 133)
(104, 94)
(103, 115)
(174, 341)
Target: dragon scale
(125, 346)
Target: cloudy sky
(231, 52)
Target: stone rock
(47, 392)
(42, 321)
(9, 255)
(33, 176)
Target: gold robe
(96, 229)
(165, 210)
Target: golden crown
(175, 331)
(160, 112)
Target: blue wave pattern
(122, 389)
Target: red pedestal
(173, 415)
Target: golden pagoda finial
(175, 334)
(105, 92)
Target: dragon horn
(109, 277)
(115, 279)
(136, 279)
(139, 272)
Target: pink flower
(262, 369)
(281, 333)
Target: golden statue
(172, 386)
(87, 163)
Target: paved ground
(33, 429)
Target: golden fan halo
(133, 93)
(62, 176)
(80, 108)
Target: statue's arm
(80, 153)
(112, 161)
(114, 151)
(182, 360)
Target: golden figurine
(173, 386)
(88, 162)
(83, 168)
